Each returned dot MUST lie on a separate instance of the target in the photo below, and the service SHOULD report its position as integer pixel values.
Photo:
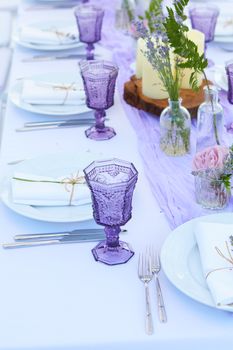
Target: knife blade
(81, 232)
(57, 122)
(54, 58)
(55, 126)
(50, 7)
(63, 240)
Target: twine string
(72, 181)
(60, 35)
(228, 258)
(66, 88)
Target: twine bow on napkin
(60, 35)
(228, 258)
(66, 89)
(71, 180)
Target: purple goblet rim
(204, 11)
(113, 161)
(88, 69)
(87, 9)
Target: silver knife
(77, 232)
(82, 233)
(53, 126)
(50, 7)
(54, 58)
(63, 240)
(56, 122)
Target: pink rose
(210, 158)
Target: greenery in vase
(127, 6)
(167, 63)
(176, 32)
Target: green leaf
(177, 36)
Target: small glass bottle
(175, 123)
(210, 121)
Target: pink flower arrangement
(210, 158)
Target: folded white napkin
(48, 193)
(5, 27)
(10, 5)
(5, 59)
(50, 35)
(211, 239)
(45, 93)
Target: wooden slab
(133, 96)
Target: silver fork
(145, 275)
(156, 267)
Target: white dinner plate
(47, 47)
(220, 77)
(181, 260)
(53, 165)
(15, 95)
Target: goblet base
(112, 256)
(105, 133)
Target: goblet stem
(112, 236)
(99, 119)
(90, 52)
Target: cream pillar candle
(199, 39)
(141, 46)
(152, 85)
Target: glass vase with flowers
(175, 120)
(213, 169)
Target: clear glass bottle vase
(175, 123)
(210, 121)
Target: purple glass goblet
(99, 78)
(229, 71)
(89, 20)
(112, 183)
(204, 19)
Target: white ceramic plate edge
(167, 251)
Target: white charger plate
(181, 260)
(53, 165)
(47, 47)
(15, 95)
(220, 77)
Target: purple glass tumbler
(89, 20)
(204, 19)
(99, 78)
(112, 183)
(229, 71)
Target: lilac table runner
(170, 178)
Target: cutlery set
(41, 58)
(54, 124)
(76, 236)
(51, 7)
(148, 269)
(40, 239)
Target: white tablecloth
(58, 297)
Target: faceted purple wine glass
(89, 21)
(99, 78)
(112, 183)
(229, 71)
(204, 19)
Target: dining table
(59, 297)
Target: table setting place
(150, 206)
